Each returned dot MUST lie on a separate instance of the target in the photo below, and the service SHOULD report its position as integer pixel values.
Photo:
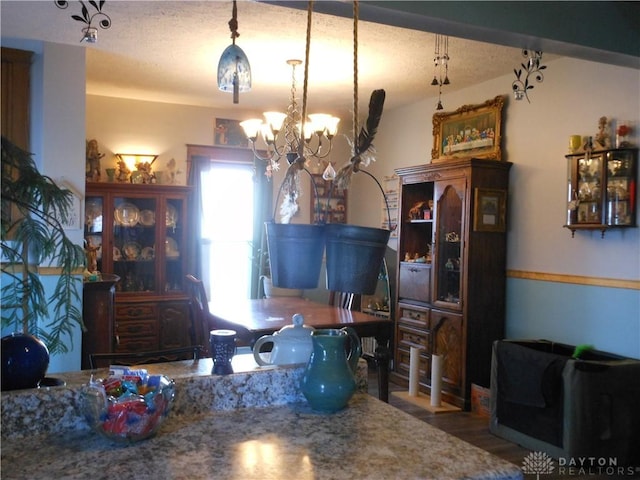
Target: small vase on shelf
(622, 135)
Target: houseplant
(34, 209)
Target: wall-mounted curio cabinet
(602, 190)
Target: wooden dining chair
(350, 301)
(99, 360)
(203, 322)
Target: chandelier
(440, 64)
(281, 132)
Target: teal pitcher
(329, 379)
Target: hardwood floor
(474, 429)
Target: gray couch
(546, 401)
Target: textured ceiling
(168, 52)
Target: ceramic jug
(329, 378)
(291, 344)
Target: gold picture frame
(471, 131)
(490, 211)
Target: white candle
(414, 371)
(436, 380)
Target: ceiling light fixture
(284, 129)
(441, 64)
(533, 68)
(234, 71)
(90, 33)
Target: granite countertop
(253, 424)
(367, 440)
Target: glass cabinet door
(134, 243)
(174, 238)
(587, 189)
(449, 241)
(93, 233)
(621, 188)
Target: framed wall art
(74, 218)
(490, 210)
(470, 131)
(229, 133)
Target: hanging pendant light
(234, 71)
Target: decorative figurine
(93, 161)
(145, 169)
(603, 137)
(173, 171)
(123, 172)
(92, 255)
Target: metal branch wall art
(533, 69)
(90, 32)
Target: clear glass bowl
(128, 417)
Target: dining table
(253, 318)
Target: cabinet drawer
(415, 281)
(410, 337)
(134, 311)
(137, 344)
(136, 328)
(414, 317)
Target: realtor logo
(537, 463)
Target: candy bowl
(129, 405)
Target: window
(231, 200)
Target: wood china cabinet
(142, 231)
(451, 271)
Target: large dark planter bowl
(25, 360)
(295, 254)
(354, 257)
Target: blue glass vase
(25, 360)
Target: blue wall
(607, 318)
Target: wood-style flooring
(474, 429)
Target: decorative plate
(147, 218)
(171, 248)
(131, 250)
(172, 216)
(127, 214)
(148, 253)
(117, 255)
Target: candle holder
(223, 347)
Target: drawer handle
(413, 270)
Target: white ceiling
(167, 51)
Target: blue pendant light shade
(234, 71)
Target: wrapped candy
(129, 405)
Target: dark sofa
(544, 400)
